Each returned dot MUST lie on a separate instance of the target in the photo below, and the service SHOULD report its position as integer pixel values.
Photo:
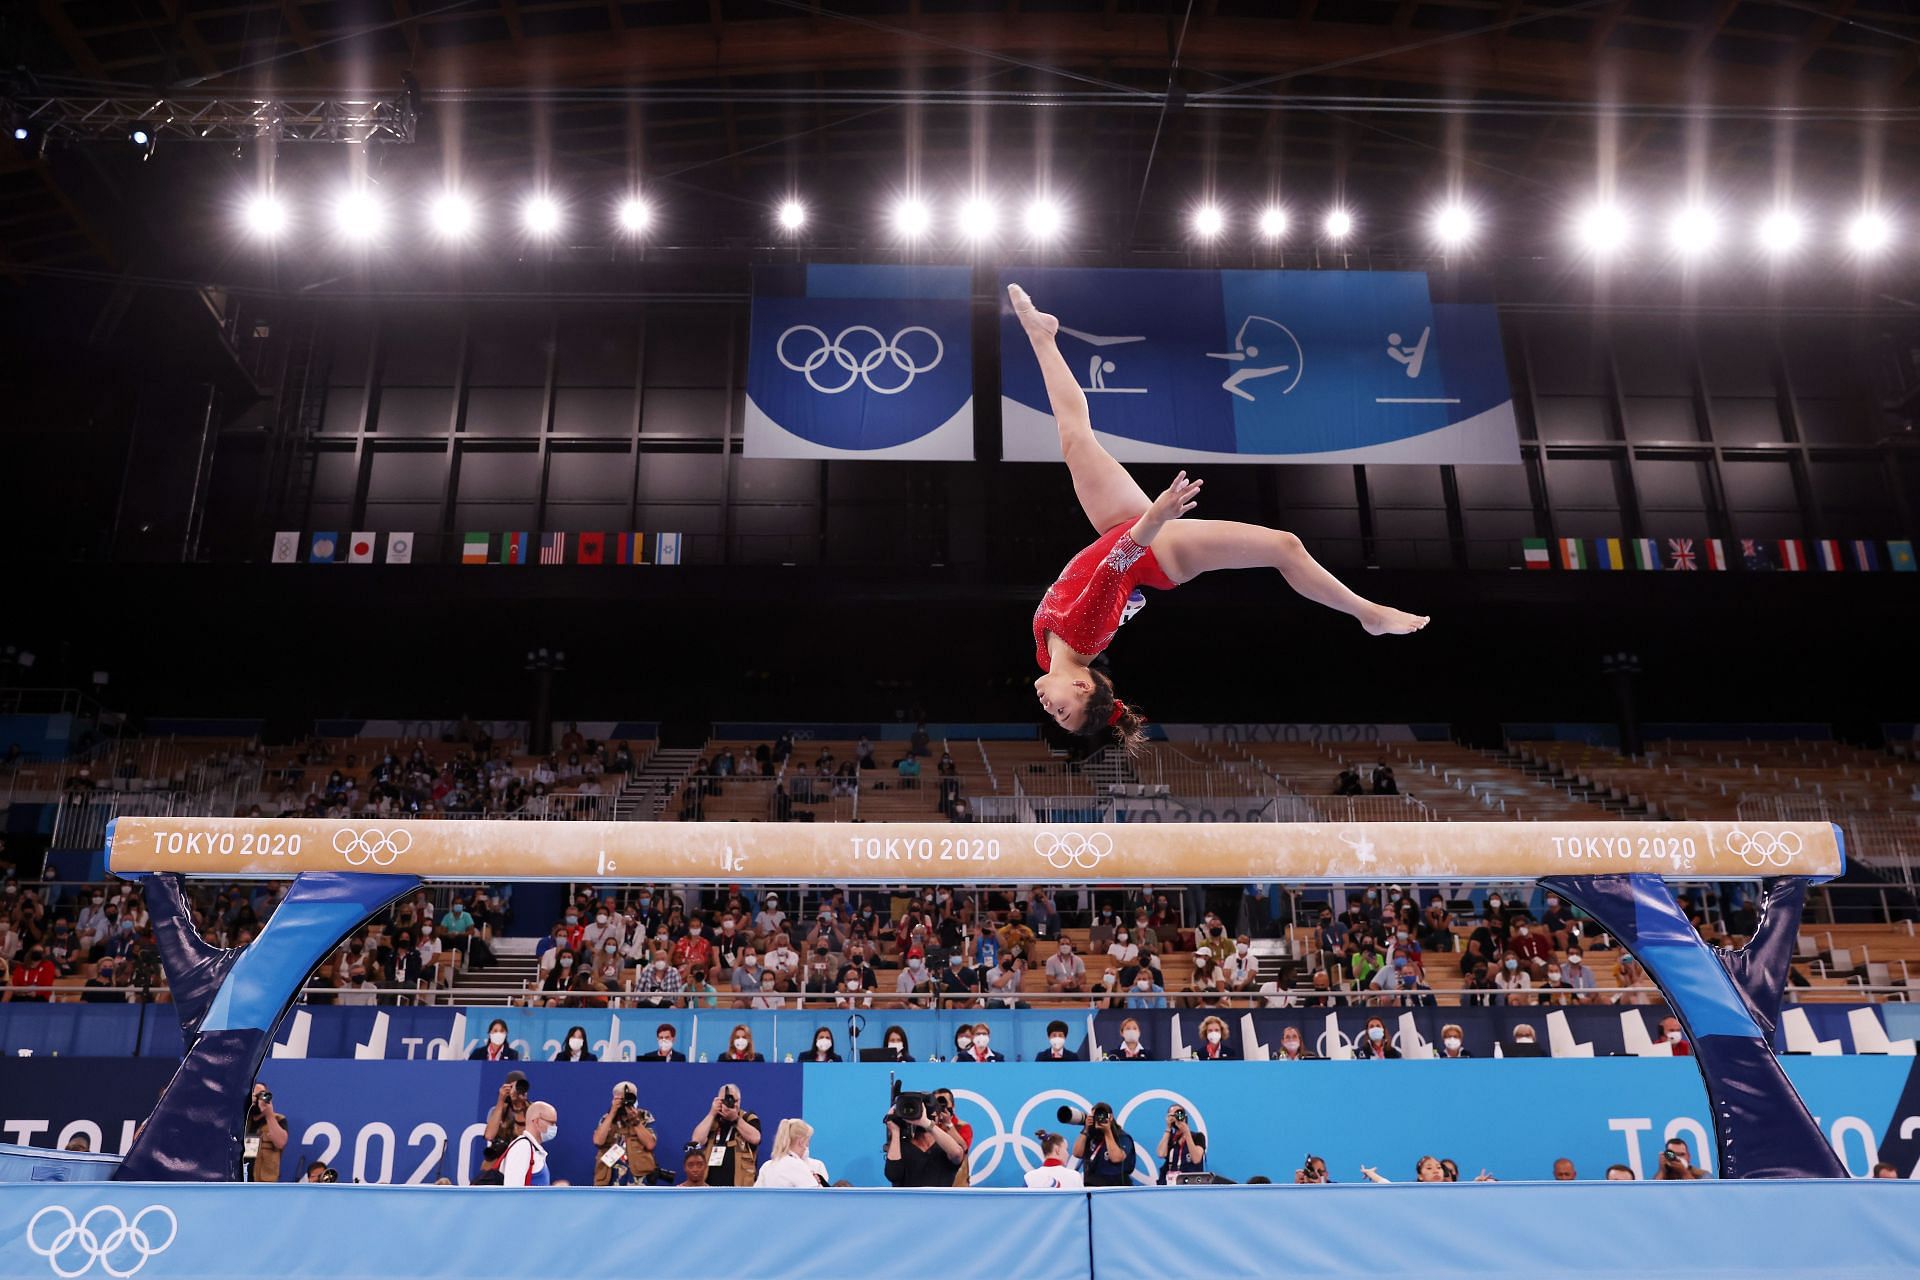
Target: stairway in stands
(644, 796)
(513, 967)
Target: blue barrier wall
(1795, 1230)
(414, 1122)
(412, 1033)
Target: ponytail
(1109, 721)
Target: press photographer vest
(746, 1157)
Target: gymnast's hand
(1179, 498)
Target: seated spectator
(98, 986)
(659, 983)
(1347, 783)
(1555, 922)
(1213, 1042)
(1532, 946)
(1293, 1047)
(1056, 1050)
(1384, 783)
(1066, 972)
(1374, 1042)
(1146, 992)
(495, 1048)
(700, 992)
(1526, 1043)
(908, 769)
(573, 1047)
(1675, 1037)
(747, 980)
(33, 978)
(1130, 1050)
(1576, 976)
(740, 1046)
(1512, 981)
(1203, 989)
(980, 1048)
(1452, 1043)
(959, 980)
(823, 1047)
(1041, 916)
(1627, 973)
(1125, 953)
(894, 1046)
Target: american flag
(1680, 554)
(553, 548)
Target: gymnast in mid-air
(1143, 543)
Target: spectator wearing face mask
(981, 1047)
(1532, 945)
(573, 1048)
(1066, 972)
(1125, 954)
(740, 1046)
(823, 1050)
(1374, 1042)
(1453, 1043)
(1146, 992)
(1293, 1047)
(1676, 1038)
(1130, 1050)
(1513, 981)
(659, 983)
(1526, 1044)
(894, 1046)
(1240, 971)
(1578, 978)
(1056, 1050)
(665, 1038)
(695, 950)
(554, 987)
(914, 973)
(1214, 1046)
(1676, 1163)
(496, 1048)
(958, 982)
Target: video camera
(907, 1108)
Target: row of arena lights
(1603, 229)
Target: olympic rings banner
(861, 362)
(1263, 366)
(975, 853)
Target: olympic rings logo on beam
(987, 1151)
(859, 368)
(121, 1251)
(1072, 849)
(1764, 848)
(372, 845)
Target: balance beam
(974, 853)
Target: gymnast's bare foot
(1035, 321)
(1391, 622)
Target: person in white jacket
(1055, 1174)
(790, 1165)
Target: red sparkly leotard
(1084, 606)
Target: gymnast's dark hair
(1129, 732)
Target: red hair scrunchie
(1119, 709)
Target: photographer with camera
(508, 1119)
(921, 1150)
(1676, 1163)
(1182, 1149)
(1105, 1151)
(729, 1134)
(1313, 1172)
(624, 1141)
(264, 1140)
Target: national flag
(666, 548)
(1606, 554)
(286, 547)
(1793, 555)
(1535, 551)
(1827, 554)
(475, 548)
(628, 548)
(324, 548)
(1716, 554)
(1680, 555)
(1646, 553)
(1900, 555)
(1866, 555)
(513, 547)
(1573, 554)
(400, 548)
(1756, 555)
(592, 548)
(360, 548)
(553, 548)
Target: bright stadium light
(912, 218)
(453, 215)
(977, 218)
(1273, 222)
(19, 133)
(1781, 231)
(1453, 225)
(1602, 229)
(792, 215)
(1693, 231)
(1339, 224)
(541, 215)
(1209, 221)
(141, 137)
(358, 215)
(1043, 219)
(1869, 232)
(265, 216)
(636, 215)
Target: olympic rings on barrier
(1072, 849)
(1764, 848)
(372, 845)
(990, 1148)
(126, 1238)
(859, 369)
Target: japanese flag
(360, 548)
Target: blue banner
(861, 362)
(1263, 366)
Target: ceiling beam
(183, 26)
(54, 14)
